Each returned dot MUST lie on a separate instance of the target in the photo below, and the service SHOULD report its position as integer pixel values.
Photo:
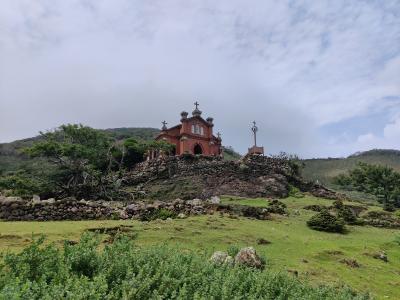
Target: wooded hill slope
(11, 158)
(325, 169)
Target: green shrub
(295, 192)
(155, 214)
(324, 221)
(277, 207)
(233, 250)
(122, 271)
(347, 215)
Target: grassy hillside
(325, 169)
(316, 256)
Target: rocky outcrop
(248, 257)
(189, 177)
(221, 258)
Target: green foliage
(380, 181)
(82, 158)
(135, 151)
(295, 163)
(277, 207)
(233, 250)
(155, 214)
(397, 239)
(21, 185)
(325, 170)
(230, 153)
(122, 271)
(295, 192)
(324, 221)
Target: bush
(277, 207)
(122, 271)
(295, 192)
(324, 221)
(155, 214)
(233, 250)
(347, 215)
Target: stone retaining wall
(16, 209)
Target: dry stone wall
(17, 209)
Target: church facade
(193, 135)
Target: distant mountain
(325, 169)
(11, 158)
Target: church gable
(194, 135)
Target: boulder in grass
(220, 258)
(215, 200)
(248, 257)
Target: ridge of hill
(11, 158)
(325, 169)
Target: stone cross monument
(255, 150)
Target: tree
(83, 157)
(380, 181)
(134, 151)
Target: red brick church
(193, 135)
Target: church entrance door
(197, 149)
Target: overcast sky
(321, 78)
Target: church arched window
(197, 129)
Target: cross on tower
(164, 125)
(219, 135)
(254, 129)
(196, 104)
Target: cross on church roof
(164, 125)
(196, 104)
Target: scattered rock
(219, 257)
(334, 252)
(294, 272)
(181, 216)
(195, 202)
(381, 255)
(215, 200)
(249, 257)
(352, 263)
(262, 241)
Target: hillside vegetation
(11, 158)
(288, 245)
(326, 169)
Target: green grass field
(315, 255)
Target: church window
(197, 129)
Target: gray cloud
(294, 66)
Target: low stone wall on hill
(16, 209)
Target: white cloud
(292, 65)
